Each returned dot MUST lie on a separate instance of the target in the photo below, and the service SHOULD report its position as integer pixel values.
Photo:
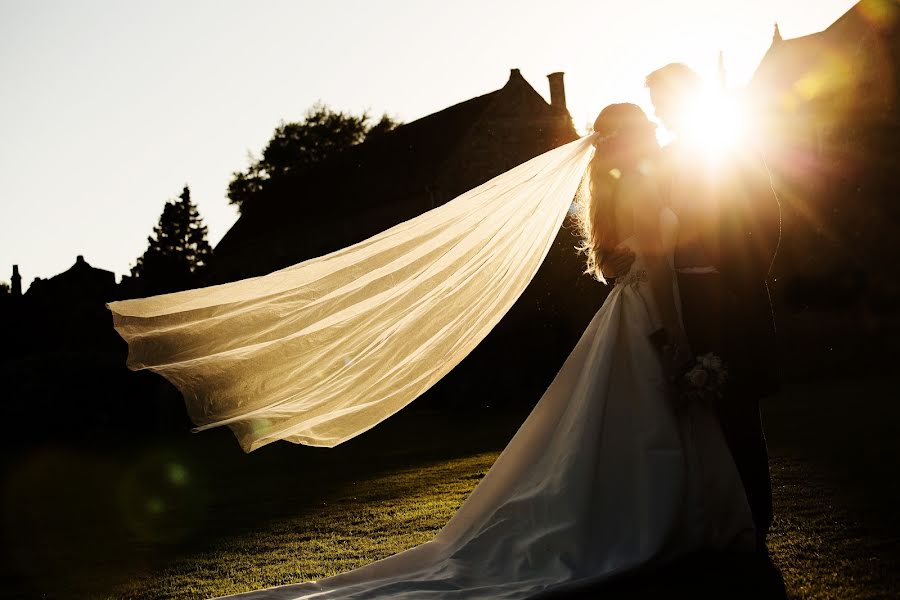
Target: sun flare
(716, 123)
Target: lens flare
(715, 123)
(159, 496)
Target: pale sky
(107, 108)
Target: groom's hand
(616, 263)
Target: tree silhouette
(385, 124)
(4, 289)
(177, 253)
(298, 145)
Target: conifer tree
(178, 253)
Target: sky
(108, 108)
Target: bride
(608, 473)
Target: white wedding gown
(604, 476)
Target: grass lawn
(195, 517)
(835, 457)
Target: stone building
(377, 184)
(830, 103)
(830, 126)
(818, 91)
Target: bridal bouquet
(703, 380)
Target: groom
(728, 235)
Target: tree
(4, 289)
(385, 124)
(298, 145)
(178, 253)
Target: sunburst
(715, 123)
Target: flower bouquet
(703, 379)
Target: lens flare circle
(159, 498)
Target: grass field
(835, 457)
(195, 517)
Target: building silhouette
(828, 122)
(817, 89)
(397, 176)
(80, 283)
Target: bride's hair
(626, 136)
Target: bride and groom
(611, 472)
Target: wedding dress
(605, 475)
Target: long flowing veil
(321, 351)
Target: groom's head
(673, 88)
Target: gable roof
(81, 280)
(389, 179)
(849, 56)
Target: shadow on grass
(81, 520)
(707, 575)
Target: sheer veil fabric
(321, 351)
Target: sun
(715, 123)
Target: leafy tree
(385, 124)
(298, 145)
(177, 253)
(4, 289)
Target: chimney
(16, 282)
(79, 260)
(557, 91)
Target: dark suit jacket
(749, 235)
(731, 313)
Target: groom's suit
(731, 218)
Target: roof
(79, 280)
(418, 147)
(389, 179)
(835, 63)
